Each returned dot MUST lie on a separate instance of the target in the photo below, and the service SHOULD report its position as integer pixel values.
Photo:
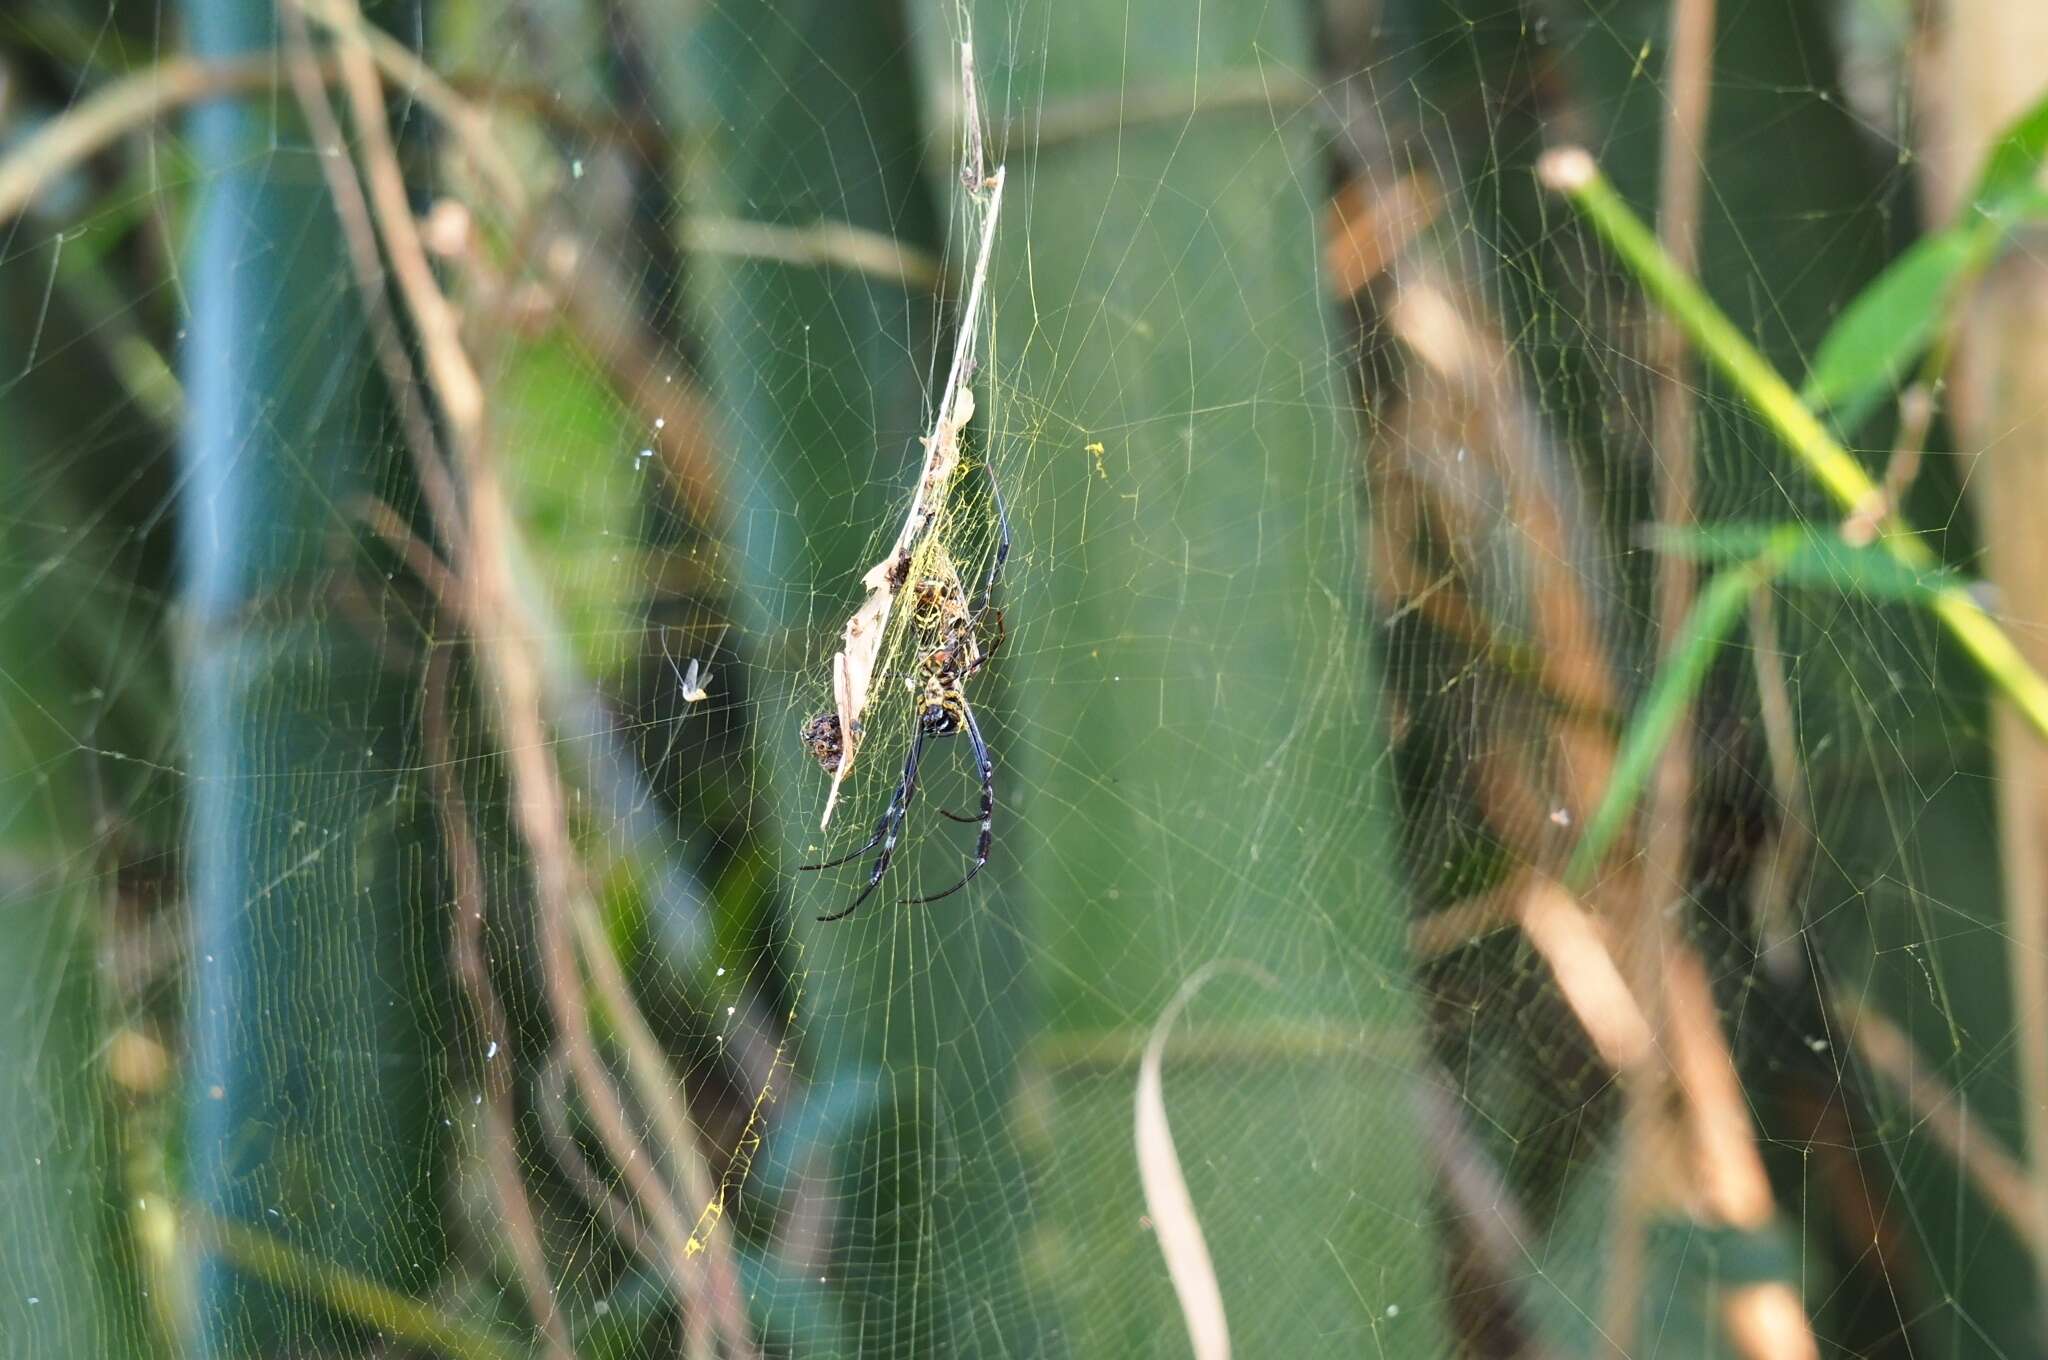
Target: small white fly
(695, 680)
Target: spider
(947, 626)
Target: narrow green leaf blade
(2014, 161)
(1877, 337)
(1810, 557)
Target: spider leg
(987, 765)
(886, 832)
(982, 655)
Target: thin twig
(1784, 859)
(120, 107)
(1467, 921)
(1571, 943)
(452, 377)
(1916, 414)
(420, 81)
(1266, 92)
(661, 1095)
(466, 930)
(491, 598)
(1997, 1174)
(1688, 80)
(1367, 226)
(1727, 1184)
(542, 817)
(1662, 874)
(822, 243)
(551, 1111)
(359, 236)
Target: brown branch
(359, 237)
(821, 243)
(120, 107)
(472, 127)
(1366, 227)
(551, 1109)
(505, 648)
(1724, 1180)
(466, 927)
(661, 1094)
(450, 374)
(1580, 962)
(1474, 402)
(1989, 69)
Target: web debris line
(853, 666)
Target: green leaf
(2014, 161)
(1798, 554)
(1878, 336)
(1810, 557)
(2023, 206)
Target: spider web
(404, 807)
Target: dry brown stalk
(490, 605)
(359, 236)
(1572, 944)
(1784, 857)
(466, 931)
(1637, 992)
(1471, 446)
(1723, 1181)
(124, 105)
(1367, 227)
(1988, 64)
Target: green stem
(1572, 173)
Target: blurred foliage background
(1500, 846)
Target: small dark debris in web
(824, 739)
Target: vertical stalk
(311, 1112)
(1687, 84)
(1992, 61)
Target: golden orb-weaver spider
(947, 628)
